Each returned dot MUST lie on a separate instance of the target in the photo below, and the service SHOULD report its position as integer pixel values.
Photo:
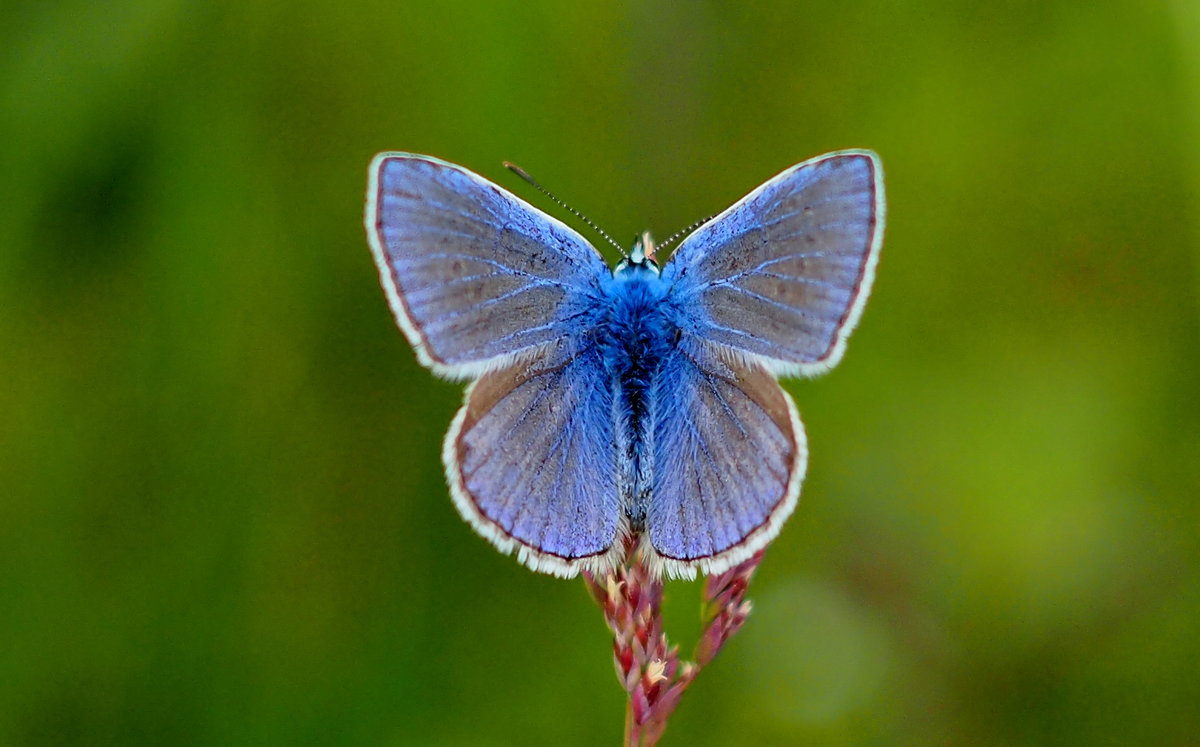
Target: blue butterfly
(636, 401)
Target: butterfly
(637, 402)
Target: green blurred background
(223, 516)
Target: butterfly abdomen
(635, 336)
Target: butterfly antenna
(522, 173)
(682, 231)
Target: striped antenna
(682, 231)
(524, 175)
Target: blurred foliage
(223, 516)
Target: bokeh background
(222, 512)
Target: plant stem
(649, 669)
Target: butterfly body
(610, 403)
(636, 336)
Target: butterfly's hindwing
(532, 462)
(729, 457)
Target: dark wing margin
(475, 276)
(783, 274)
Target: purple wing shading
(783, 274)
(729, 457)
(531, 462)
(474, 274)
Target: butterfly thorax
(635, 335)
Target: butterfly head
(640, 259)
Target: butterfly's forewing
(531, 459)
(782, 275)
(729, 457)
(475, 276)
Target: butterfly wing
(783, 274)
(729, 456)
(474, 275)
(531, 459)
